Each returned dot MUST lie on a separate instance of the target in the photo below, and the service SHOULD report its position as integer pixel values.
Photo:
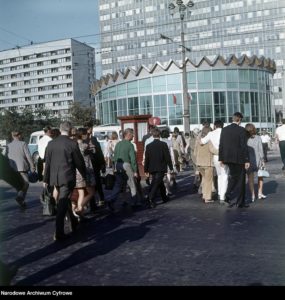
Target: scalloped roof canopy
(260, 62)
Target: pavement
(183, 242)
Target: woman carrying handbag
(256, 159)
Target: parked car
(33, 144)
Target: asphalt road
(180, 243)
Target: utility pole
(182, 9)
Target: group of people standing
(233, 152)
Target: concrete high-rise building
(131, 29)
(49, 75)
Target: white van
(101, 131)
(33, 144)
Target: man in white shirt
(265, 139)
(43, 142)
(280, 138)
(222, 170)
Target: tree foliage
(26, 122)
(78, 115)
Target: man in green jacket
(125, 168)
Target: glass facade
(130, 34)
(214, 94)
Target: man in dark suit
(98, 164)
(157, 158)
(233, 152)
(62, 159)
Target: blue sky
(23, 21)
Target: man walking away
(157, 158)
(233, 152)
(42, 144)
(21, 161)
(62, 159)
(125, 169)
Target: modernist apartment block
(131, 33)
(216, 88)
(50, 75)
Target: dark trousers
(63, 208)
(157, 183)
(265, 150)
(99, 189)
(282, 152)
(8, 174)
(236, 184)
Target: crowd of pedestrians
(73, 165)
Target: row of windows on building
(204, 106)
(34, 56)
(35, 89)
(46, 105)
(223, 6)
(42, 71)
(36, 64)
(33, 81)
(195, 23)
(36, 98)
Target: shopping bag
(48, 202)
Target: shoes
(61, 237)
(243, 206)
(261, 196)
(151, 203)
(169, 194)
(110, 205)
(166, 199)
(20, 200)
(227, 200)
(222, 202)
(101, 203)
(209, 201)
(230, 205)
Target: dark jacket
(233, 145)
(97, 158)
(157, 157)
(62, 159)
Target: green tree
(78, 115)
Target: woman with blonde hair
(256, 159)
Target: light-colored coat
(19, 156)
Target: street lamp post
(183, 9)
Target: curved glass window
(219, 79)
(160, 108)
(159, 83)
(122, 90)
(132, 88)
(145, 86)
(205, 107)
(133, 104)
(174, 82)
(191, 80)
(193, 105)
(204, 80)
(232, 79)
(146, 105)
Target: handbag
(48, 202)
(262, 173)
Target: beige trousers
(207, 181)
